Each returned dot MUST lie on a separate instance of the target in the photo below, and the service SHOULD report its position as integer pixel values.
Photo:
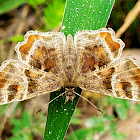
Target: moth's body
(69, 63)
(48, 61)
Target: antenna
(50, 102)
(74, 93)
(88, 101)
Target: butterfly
(49, 61)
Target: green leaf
(75, 120)
(7, 5)
(77, 112)
(93, 122)
(86, 15)
(35, 3)
(53, 14)
(16, 123)
(121, 105)
(79, 15)
(2, 109)
(118, 136)
(136, 107)
(122, 112)
(80, 134)
(16, 38)
(26, 118)
(59, 115)
(19, 125)
(115, 101)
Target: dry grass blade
(129, 19)
(8, 113)
(19, 29)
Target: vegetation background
(20, 120)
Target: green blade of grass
(7, 5)
(86, 15)
(79, 15)
(59, 116)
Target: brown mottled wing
(121, 79)
(18, 82)
(96, 49)
(100, 70)
(126, 79)
(42, 50)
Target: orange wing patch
(25, 49)
(113, 46)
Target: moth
(49, 61)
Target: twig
(6, 116)
(129, 19)
(19, 29)
(2, 52)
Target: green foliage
(101, 124)
(35, 3)
(53, 13)
(118, 136)
(75, 120)
(121, 106)
(136, 108)
(104, 123)
(23, 129)
(2, 109)
(7, 5)
(80, 134)
(16, 38)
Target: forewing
(19, 82)
(96, 49)
(42, 50)
(121, 79)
